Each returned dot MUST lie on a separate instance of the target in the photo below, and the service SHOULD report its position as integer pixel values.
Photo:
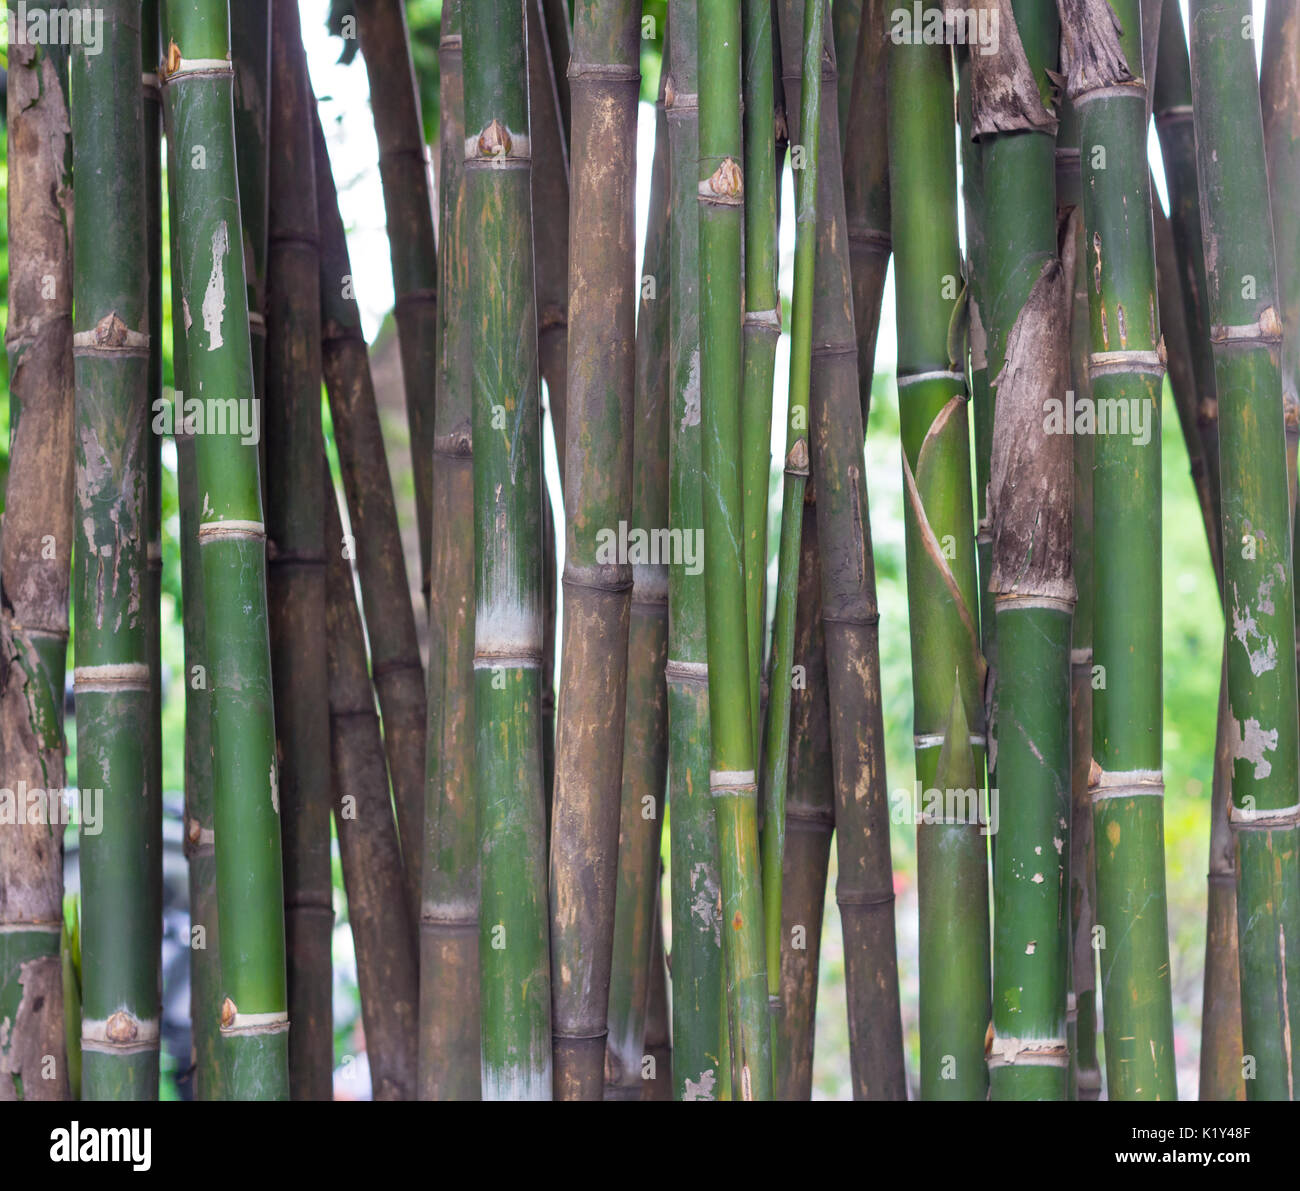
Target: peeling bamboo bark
(34, 562)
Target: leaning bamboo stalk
(645, 738)
(810, 822)
(776, 760)
(506, 427)
(449, 959)
(372, 514)
(295, 527)
(1246, 333)
(1126, 370)
(947, 667)
(408, 207)
(732, 783)
(363, 817)
(559, 35)
(865, 887)
(34, 562)
(866, 189)
(698, 1024)
(121, 913)
(197, 84)
(604, 78)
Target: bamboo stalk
(732, 783)
(697, 976)
(847, 19)
(295, 527)
(866, 190)
(38, 513)
(777, 756)
(408, 207)
(197, 82)
(368, 848)
(372, 514)
(514, 976)
(947, 667)
(604, 77)
(449, 957)
(1246, 330)
(559, 36)
(810, 821)
(865, 889)
(121, 914)
(645, 739)
(658, 1084)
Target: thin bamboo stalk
(506, 425)
(657, 1083)
(865, 889)
(197, 86)
(947, 667)
(846, 22)
(368, 848)
(777, 757)
(559, 36)
(408, 207)
(604, 77)
(121, 915)
(372, 514)
(35, 554)
(449, 959)
(645, 739)
(698, 1023)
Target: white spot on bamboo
(214, 297)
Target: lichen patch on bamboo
(214, 296)
(1250, 742)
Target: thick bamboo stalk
(363, 817)
(810, 821)
(732, 783)
(449, 959)
(1126, 369)
(865, 888)
(698, 1024)
(776, 759)
(866, 188)
(295, 526)
(645, 738)
(408, 207)
(604, 77)
(506, 425)
(35, 555)
(846, 23)
(947, 666)
(372, 514)
(197, 85)
(1246, 333)
(121, 913)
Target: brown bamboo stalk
(658, 1030)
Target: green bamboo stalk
(645, 738)
(732, 783)
(810, 821)
(408, 207)
(760, 329)
(376, 537)
(1247, 334)
(514, 976)
(947, 667)
(604, 77)
(368, 848)
(1081, 1010)
(847, 19)
(559, 36)
(865, 886)
(197, 85)
(449, 957)
(38, 515)
(776, 759)
(121, 914)
(295, 526)
(250, 50)
(1126, 367)
(866, 190)
(698, 1024)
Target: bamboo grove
(582, 797)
